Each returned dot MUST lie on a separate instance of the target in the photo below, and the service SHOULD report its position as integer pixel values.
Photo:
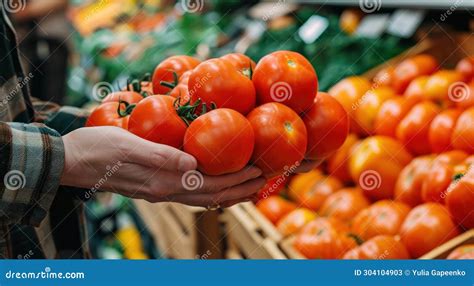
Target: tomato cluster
(402, 182)
(229, 112)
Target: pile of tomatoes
(402, 183)
(230, 112)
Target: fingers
(213, 184)
(307, 165)
(159, 156)
(224, 198)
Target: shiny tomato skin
(316, 192)
(411, 68)
(286, 77)
(338, 164)
(280, 138)
(466, 67)
(367, 108)
(439, 86)
(275, 207)
(327, 125)
(375, 165)
(414, 128)
(441, 129)
(294, 221)
(463, 133)
(381, 218)
(218, 81)
(344, 204)
(222, 141)
(416, 89)
(106, 115)
(379, 247)
(460, 200)
(348, 92)
(462, 252)
(390, 113)
(128, 96)
(324, 238)
(427, 226)
(241, 62)
(164, 71)
(411, 179)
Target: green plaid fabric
(36, 220)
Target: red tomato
(128, 96)
(164, 71)
(344, 204)
(441, 129)
(413, 130)
(410, 180)
(324, 238)
(273, 186)
(379, 247)
(338, 164)
(427, 226)
(275, 207)
(218, 81)
(463, 133)
(416, 89)
(462, 252)
(327, 125)
(107, 114)
(181, 90)
(466, 67)
(242, 63)
(382, 218)
(411, 68)
(294, 221)
(315, 193)
(286, 77)
(460, 200)
(280, 138)
(155, 119)
(439, 87)
(391, 112)
(221, 140)
(440, 175)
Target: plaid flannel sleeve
(31, 165)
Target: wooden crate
(444, 250)
(183, 232)
(250, 235)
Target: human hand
(112, 159)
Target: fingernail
(186, 164)
(255, 172)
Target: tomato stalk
(189, 112)
(356, 238)
(173, 84)
(128, 108)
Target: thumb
(147, 153)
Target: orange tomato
(383, 217)
(317, 192)
(368, 107)
(390, 113)
(440, 176)
(275, 207)
(460, 200)
(338, 164)
(462, 252)
(323, 238)
(463, 133)
(344, 204)
(295, 220)
(427, 226)
(379, 247)
(441, 129)
(327, 126)
(413, 130)
(416, 89)
(440, 85)
(464, 95)
(410, 180)
(300, 182)
(375, 165)
(348, 92)
(385, 76)
(466, 67)
(411, 68)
